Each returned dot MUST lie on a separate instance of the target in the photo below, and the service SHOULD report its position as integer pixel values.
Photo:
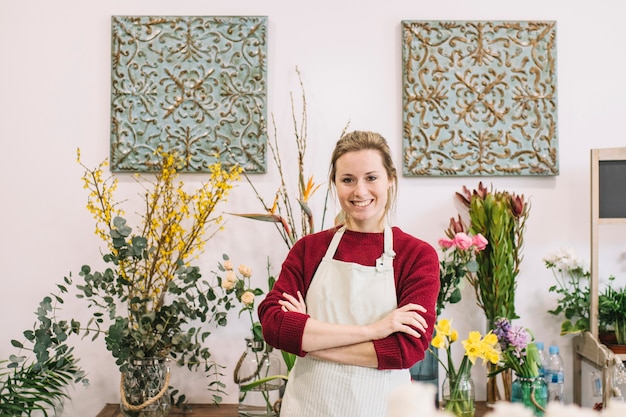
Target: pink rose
(446, 243)
(462, 241)
(480, 242)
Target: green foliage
(134, 328)
(35, 383)
(572, 287)
(501, 218)
(612, 309)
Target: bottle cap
(554, 350)
(539, 345)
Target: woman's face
(362, 189)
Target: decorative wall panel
(479, 98)
(192, 84)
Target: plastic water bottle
(555, 375)
(542, 359)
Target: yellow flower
(438, 341)
(443, 327)
(491, 339)
(476, 346)
(247, 298)
(454, 336)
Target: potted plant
(573, 304)
(612, 310)
(572, 287)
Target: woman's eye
(372, 178)
(346, 180)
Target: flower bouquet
(520, 354)
(458, 388)
(501, 217)
(458, 261)
(147, 300)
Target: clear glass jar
(531, 392)
(145, 388)
(458, 394)
(259, 362)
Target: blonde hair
(359, 141)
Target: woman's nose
(360, 188)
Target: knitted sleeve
(284, 330)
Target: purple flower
(517, 338)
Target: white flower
(508, 409)
(228, 265)
(229, 281)
(615, 408)
(565, 259)
(247, 298)
(245, 271)
(555, 409)
(410, 401)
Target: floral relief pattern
(191, 84)
(479, 98)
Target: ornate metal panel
(479, 98)
(192, 84)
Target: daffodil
(476, 346)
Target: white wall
(55, 95)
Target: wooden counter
(226, 410)
(197, 410)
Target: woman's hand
(291, 303)
(402, 319)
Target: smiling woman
(356, 302)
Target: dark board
(612, 189)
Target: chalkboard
(612, 189)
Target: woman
(355, 302)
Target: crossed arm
(352, 344)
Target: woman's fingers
(291, 303)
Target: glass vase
(259, 394)
(457, 395)
(532, 393)
(144, 388)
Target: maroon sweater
(416, 270)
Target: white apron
(345, 293)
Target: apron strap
(332, 248)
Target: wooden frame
(586, 345)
